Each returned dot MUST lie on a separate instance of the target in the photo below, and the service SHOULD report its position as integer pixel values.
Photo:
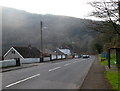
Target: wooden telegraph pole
(41, 46)
(119, 9)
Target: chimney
(29, 46)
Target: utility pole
(41, 47)
(119, 9)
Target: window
(13, 52)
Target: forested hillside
(20, 28)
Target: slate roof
(59, 52)
(28, 52)
(47, 51)
(65, 51)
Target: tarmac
(95, 78)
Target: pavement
(95, 78)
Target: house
(1, 58)
(22, 52)
(65, 51)
(48, 52)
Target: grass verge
(112, 75)
(113, 78)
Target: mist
(20, 28)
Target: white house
(65, 51)
(22, 52)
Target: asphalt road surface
(65, 74)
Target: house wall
(59, 56)
(63, 56)
(11, 55)
(46, 58)
(53, 57)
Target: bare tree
(109, 11)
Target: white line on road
(54, 69)
(67, 64)
(22, 80)
(56, 63)
(74, 62)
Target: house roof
(59, 52)
(28, 52)
(49, 51)
(65, 51)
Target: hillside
(20, 28)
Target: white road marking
(56, 63)
(83, 59)
(54, 69)
(67, 64)
(74, 62)
(22, 80)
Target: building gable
(12, 53)
(65, 51)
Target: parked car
(85, 56)
(79, 56)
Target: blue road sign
(103, 55)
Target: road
(65, 74)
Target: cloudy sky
(75, 8)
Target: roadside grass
(111, 75)
(113, 78)
(105, 62)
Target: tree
(110, 11)
(98, 47)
